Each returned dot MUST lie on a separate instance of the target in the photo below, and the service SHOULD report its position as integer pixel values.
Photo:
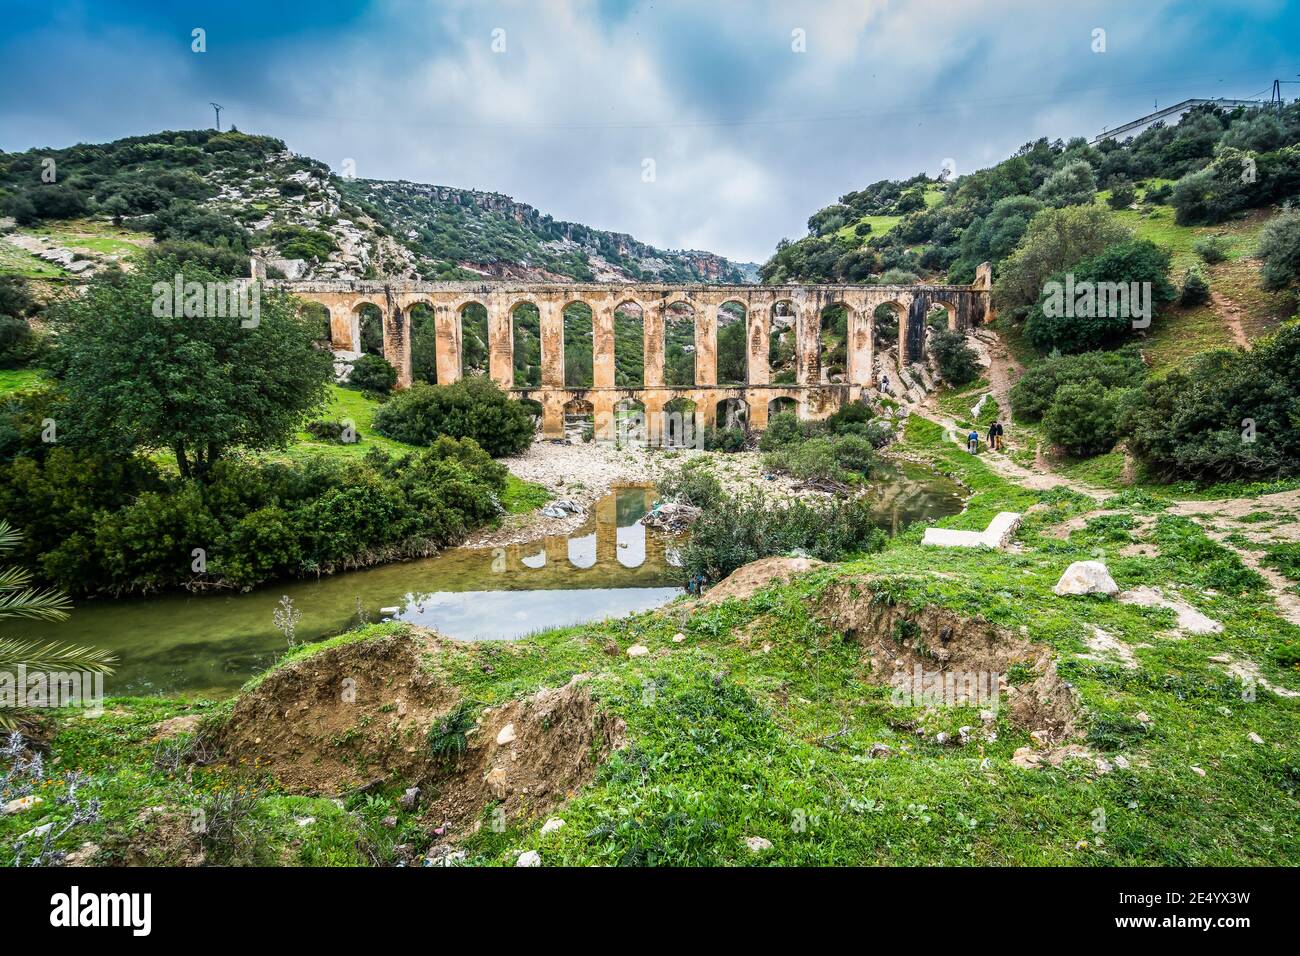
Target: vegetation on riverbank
(767, 721)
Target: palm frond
(54, 655)
(11, 578)
(42, 605)
(10, 537)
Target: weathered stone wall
(967, 306)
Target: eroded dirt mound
(526, 756)
(343, 717)
(753, 577)
(972, 655)
(360, 713)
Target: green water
(610, 566)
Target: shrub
(339, 433)
(725, 439)
(782, 429)
(1211, 249)
(1224, 415)
(471, 408)
(19, 343)
(844, 458)
(692, 484)
(370, 373)
(957, 361)
(1196, 289)
(1033, 394)
(742, 530)
(1122, 195)
(1084, 418)
(845, 419)
(1048, 325)
(1279, 247)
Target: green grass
(20, 262)
(17, 379)
(89, 235)
(770, 736)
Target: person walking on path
(973, 442)
(995, 436)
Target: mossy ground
(761, 721)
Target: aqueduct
(815, 393)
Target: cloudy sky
(753, 113)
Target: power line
(218, 108)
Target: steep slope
(490, 234)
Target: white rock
(678, 637)
(551, 825)
(529, 858)
(638, 650)
(758, 844)
(304, 821)
(1198, 771)
(1254, 738)
(506, 735)
(1086, 577)
(997, 535)
(1121, 761)
(22, 803)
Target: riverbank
(760, 730)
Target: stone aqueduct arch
(967, 306)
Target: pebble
(758, 844)
(529, 858)
(506, 735)
(638, 650)
(551, 825)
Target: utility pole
(218, 108)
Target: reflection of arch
(732, 413)
(733, 351)
(535, 561)
(579, 335)
(630, 544)
(629, 344)
(582, 551)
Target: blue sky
(748, 134)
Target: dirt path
(1003, 372)
(1231, 314)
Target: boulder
(1086, 577)
(529, 858)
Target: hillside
(492, 235)
(224, 196)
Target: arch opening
(424, 344)
(473, 339)
(579, 420)
(781, 404)
(732, 413)
(370, 329)
(781, 348)
(833, 344)
(629, 423)
(579, 333)
(679, 425)
(629, 346)
(733, 356)
(526, 345)
(679, 345)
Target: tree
(957, 360)
(1138, 274)
(473, 408)
(370, 373)
(1056, 239)
(134, 379)
(1084, 418)
(1072, 185)
(1279, 247)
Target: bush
(1122, 195)
(1279, 247)
(19, 343)
(1033, 394)
(472, 408)
(1084, 418)
(337, 432)
(741, 530)
(692, 484)
(1211, 249)
(842, 458)
(1092, 325)
(782, 429)
(370, 373)
(1196, 289)
(725, 439)
(957, 361)
(1224, 415)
